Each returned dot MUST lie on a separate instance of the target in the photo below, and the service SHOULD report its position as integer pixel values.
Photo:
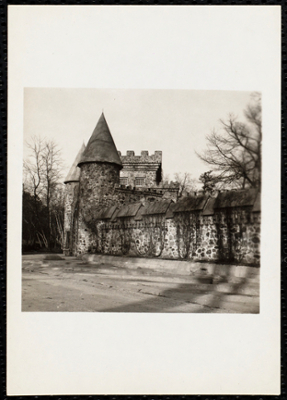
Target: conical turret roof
(101, 146)
(74, 173)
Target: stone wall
(227, 236)
(82, 212)
(127, 195)
(103, 217)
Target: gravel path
(72, 285)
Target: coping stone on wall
(104, 213)
(159, 207)
(108, 212)
(139, 215)
(191, 203)
(236, 198)
(129, 210)
(209, 207)
(169, 214)
(114, 217)
(257, 203)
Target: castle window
(123, 181)
(139, 181)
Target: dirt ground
(75, 285)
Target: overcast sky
(174, 121)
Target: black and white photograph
(159, 211)
(143, 229)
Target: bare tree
(165, 182)
(52, 163)
(186, 183)
(42, 173)
(33, 167)
(183, 181)
(56, 215)
(235, 152)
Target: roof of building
(236, 198)
(74, 173)
(101, 146)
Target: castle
(116, 204)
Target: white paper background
(219, 48)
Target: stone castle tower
(144, 171)
(100, 167)
(101, 177)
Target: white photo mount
(234, 48)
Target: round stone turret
(101, 146)
(100, 167)
(71, 205)
(97, 186)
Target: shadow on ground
(223, 295)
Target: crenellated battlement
(143, 158)
(141, 170)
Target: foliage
(208, 181)
(43, 195)
(34, 223)
(235, 152)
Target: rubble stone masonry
(98, 182)
(144, 166)
(225, 236)
(224, 227)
